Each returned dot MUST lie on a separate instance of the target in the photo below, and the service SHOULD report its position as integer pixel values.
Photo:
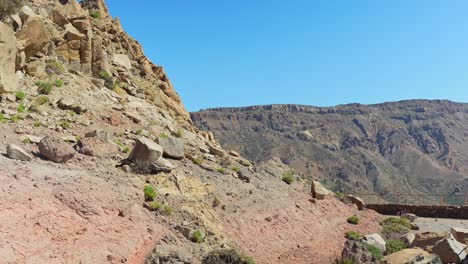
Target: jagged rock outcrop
(8, 47)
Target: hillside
(91, 131)
(409, 147)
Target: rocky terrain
(408, 147)
(100, 162)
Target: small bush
(392, 229)
(2, 118)
(197, 161)
(163, 135)
(353, 220)
(394, 245)
(288, 177)
(245, 163)
(220, 170)
(150, 193)
(58, 83)
(345, 260)
(123, 148)
(153, 206)
(396, 220)
(27, 141)
(21, 108)
(44, 88)
(197, 237)
(226, 256)
(105, 76)
(94, 14)
(20, 96)
(178, 134)
(235, 169)
(41, 100)
(37, 124)
(55, 67)
(15, 118)
(65, 125)
(374, 251)
(353, 235)
(168, 209)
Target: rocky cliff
(412, 147)
(99, 161)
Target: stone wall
(453, 212)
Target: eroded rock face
(8, 47)
(33, 36)
(56, 150)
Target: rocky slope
(77, 94)
(415, 147)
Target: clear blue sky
(249, 52)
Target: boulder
(460, 234)
(450, 250)
(427, 240)
(319, 192)
(32, 37)
(70, 104)
(36, 68)
(99, 134)
(122, 60)
(85, 147)
(356, 250)
(8, 47)
(357, 201)
(412, 255)
(410, 217)
(145, 153)
(161, 165)
(173, 147)
(216, 151)
(234, 153)
(408, 238)
(17, 153)
(56, 150)
(376, 240)
(244, 174)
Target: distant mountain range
(410, 147)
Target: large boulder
(357, 201)
(319, 191)
(427, 240)
(122, 60)
(145, 153)
(15, 152)
(173, 147)
(356, 250)
(161, 165)
(377, 241)
(32, 37)
(8, 47)
(56, 150)
(450, 250)
(412, 255)
(460, 234)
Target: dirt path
(439, 224)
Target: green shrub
(394, 229)
(123, 148)
(15, 118)
(150, 193)
(153, 206)
(9, 7)
(163, 135)
(353, 235)
(197, 161)
(353, 220)
(288, 177)
(65, 125)
(345, 260)
(226, 256)
(41, 100)
(2, 118)
(20, 96)
(178, 134)
(55, 67)
(58, 83)
(245, 163)
(235, 169)
(396, 220)
(21, 108)
(105, 76)
(374, 251)
(220, 170)
(168, 209)
(44, 88)
(394, 245)
(27, 141)
(197, 237)
(94, 14)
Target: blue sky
(323, 53)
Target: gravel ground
(439, 224)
